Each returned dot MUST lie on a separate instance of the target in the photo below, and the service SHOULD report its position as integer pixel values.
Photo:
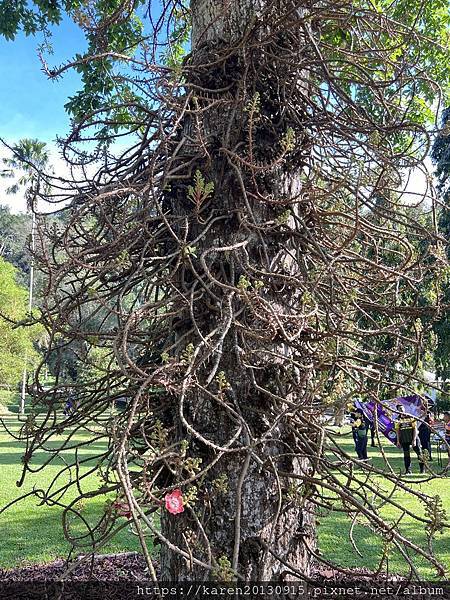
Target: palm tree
(29, 159)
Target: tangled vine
(234, 243)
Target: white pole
(30, 307)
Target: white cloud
(419, 184)
(60, 169)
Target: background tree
(441, 156)
(16, 342)
(29, 159)
(232, 247)
(385, 348)
(14, 235)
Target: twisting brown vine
(252, 246)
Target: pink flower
(122, 509)
(174, 502)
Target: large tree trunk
(252, 517)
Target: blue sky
(32, 105)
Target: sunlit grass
(34, 534)
(334, 540)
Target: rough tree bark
(254, 524)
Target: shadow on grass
(334, 533)
(17, 448)
(43, 458)
(34, 535)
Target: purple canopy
(387, 412)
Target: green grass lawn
(334, 528)
(33, 534)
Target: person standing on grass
(447, 432)
(425, 433)
(407, 436)
(359, 430)
(372, 429)
(371, 423)
(351, 410)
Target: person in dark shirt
(351, 410)
(425, 433)
(359, 430)
(407, 436)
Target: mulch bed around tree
(119, 577)
(121, 567)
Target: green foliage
(200, 191)
(410, 220)
(429, 49)
(97, 362)
(178, 39)
(16, 342)
(441, 157)
(435, 512)
(244, 283)
(30, 17)
(223, 571)
(188, 354)
(189, 251)
(159, 435)
(101, 88)
(14, 232)
(254, 106)
(104, 89)
(220, 484)
(28, 161)
(165, 357)
(283, 218)
(288, 140)
(106, 85)
(442, 404)
(222, 381)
